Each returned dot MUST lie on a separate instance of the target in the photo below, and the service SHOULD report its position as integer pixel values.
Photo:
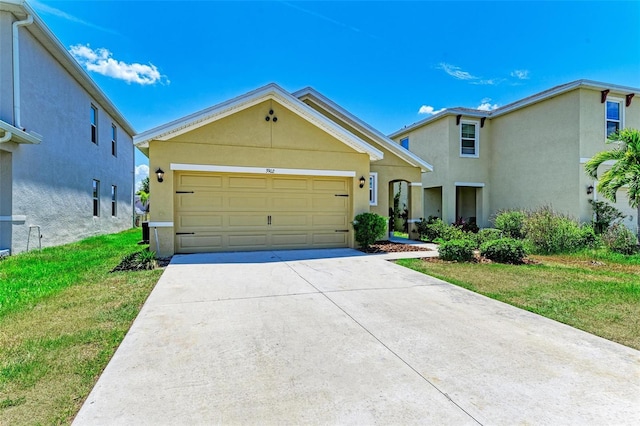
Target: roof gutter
(16, 69)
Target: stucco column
(449, 203)
(416, 204)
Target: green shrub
(369, 227)
(457, 250)
(618, 238)
(504, 250)
(606, 215)
(511, 222)
(550, 232)
(589, 237)
(421, 227)
(488, 234)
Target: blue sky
(389, 63)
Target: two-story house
(66, 153)
(527, 154)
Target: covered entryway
(239, 212)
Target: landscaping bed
(391, 247)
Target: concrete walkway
(337, 337)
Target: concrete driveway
(337, 337)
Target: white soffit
(271, 91)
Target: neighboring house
(66, 153)
(526, 154)
(271, 170)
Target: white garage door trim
(259, 170)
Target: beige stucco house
(524, 155)
(271, 170)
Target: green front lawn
(595, 292)
(62, 315)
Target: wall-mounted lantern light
(589, 189)
(160, 174)
(362, 181)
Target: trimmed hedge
(504, 250)
(457, 250)
(369, 227)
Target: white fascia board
(51, 43)
(19, 135)
(259, 170)
(370, 131)
(271, 91)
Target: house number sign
(271, 171)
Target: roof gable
(339, 112)
(240, 103)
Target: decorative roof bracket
(603, 95)
(628, 98)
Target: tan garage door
(232, 212)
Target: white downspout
(6, 137)
(16, 70)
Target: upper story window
(469, 139)
(614, 115)
(405, 143)
(94, 124)
(114, 140)
(373, 189)
(96, 198)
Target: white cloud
(100, 60)
(142, 172)
(520, 74)
(485, 105)
(456, 72)
(428, 109)
(488, 82)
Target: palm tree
(624, 172)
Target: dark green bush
(457, 250)
(369, 227)
(618, 238)
(421, 227)
(488, 234)
(550, 232)
(606, 215)
(504, 250)
(511, 222)
(588, 235)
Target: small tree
(624, 172)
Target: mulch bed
(479, 259)
(390, 247)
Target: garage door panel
(247, 183)
(330, 220)
(290, 220)
(250, 241)
(330, 204)
(199, 243)
(249, 220)
(198, 202)
(193, 222)
(292, 203)
(280, 184)
(328, 238)
(199, 181)
(330, 185)
(290, 240)
(248, 202)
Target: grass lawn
(594, 292)
(62, 315)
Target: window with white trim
(114, 140)
(96, 198)
(94, 124)
(469, 138)
(114, 200)
(405, 143)
(614, 112)
(373, 189)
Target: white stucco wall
(52, 181)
